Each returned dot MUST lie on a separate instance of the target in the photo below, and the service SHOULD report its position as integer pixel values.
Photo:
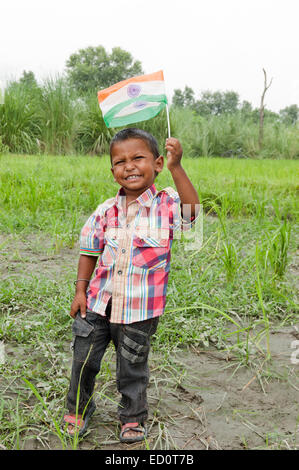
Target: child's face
(134, 166)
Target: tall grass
(92, 136)
(58, 117)
(52, 118)
(234, 136)
(20, 121)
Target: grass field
(232, 298)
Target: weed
(229, 259)
(278, 250)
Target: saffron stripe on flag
(156, 76)
(133, 92)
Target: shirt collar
(145, 199)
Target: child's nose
(129, 166)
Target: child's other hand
(174, 153)
(79, 304)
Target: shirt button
(128, 225)
(119, 272)
(123, 250)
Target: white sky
(206, 44)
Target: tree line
(61, 115)
(93, 68)
(228, 102)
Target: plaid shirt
(133, 246)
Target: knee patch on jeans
(135, 346)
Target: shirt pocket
(110, 248)
(151, 249)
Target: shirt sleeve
(182, 219)
(92, 235)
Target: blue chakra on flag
(133, 90)
(140, 104)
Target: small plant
(260, 208)
(278, 251)
(230, 261)
(260, 296)
(58, 431)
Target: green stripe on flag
(117, 108)
(142, 115)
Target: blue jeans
(132, 344)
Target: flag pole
(167, 113)
(168, 122)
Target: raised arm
(185, 189)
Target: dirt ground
(218, 404)
(203, 399)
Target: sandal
(132, 427)
(79, 422)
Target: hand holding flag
(174, 153)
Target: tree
(290, 114)
(216, 103)
(28, 79)
(230, 102)
(93, 68)
(246, 109)
(210, 103)
(183, 98)
(189, 97)
(178, 98)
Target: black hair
(134, 133)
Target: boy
(132, 236)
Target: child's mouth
(132, 177)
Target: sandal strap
(132, 427)
(73, 420)
(129, 425)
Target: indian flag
(133, 100)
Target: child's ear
(159, 164)
(112, 171)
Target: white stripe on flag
(155, 87)
(132, 108)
